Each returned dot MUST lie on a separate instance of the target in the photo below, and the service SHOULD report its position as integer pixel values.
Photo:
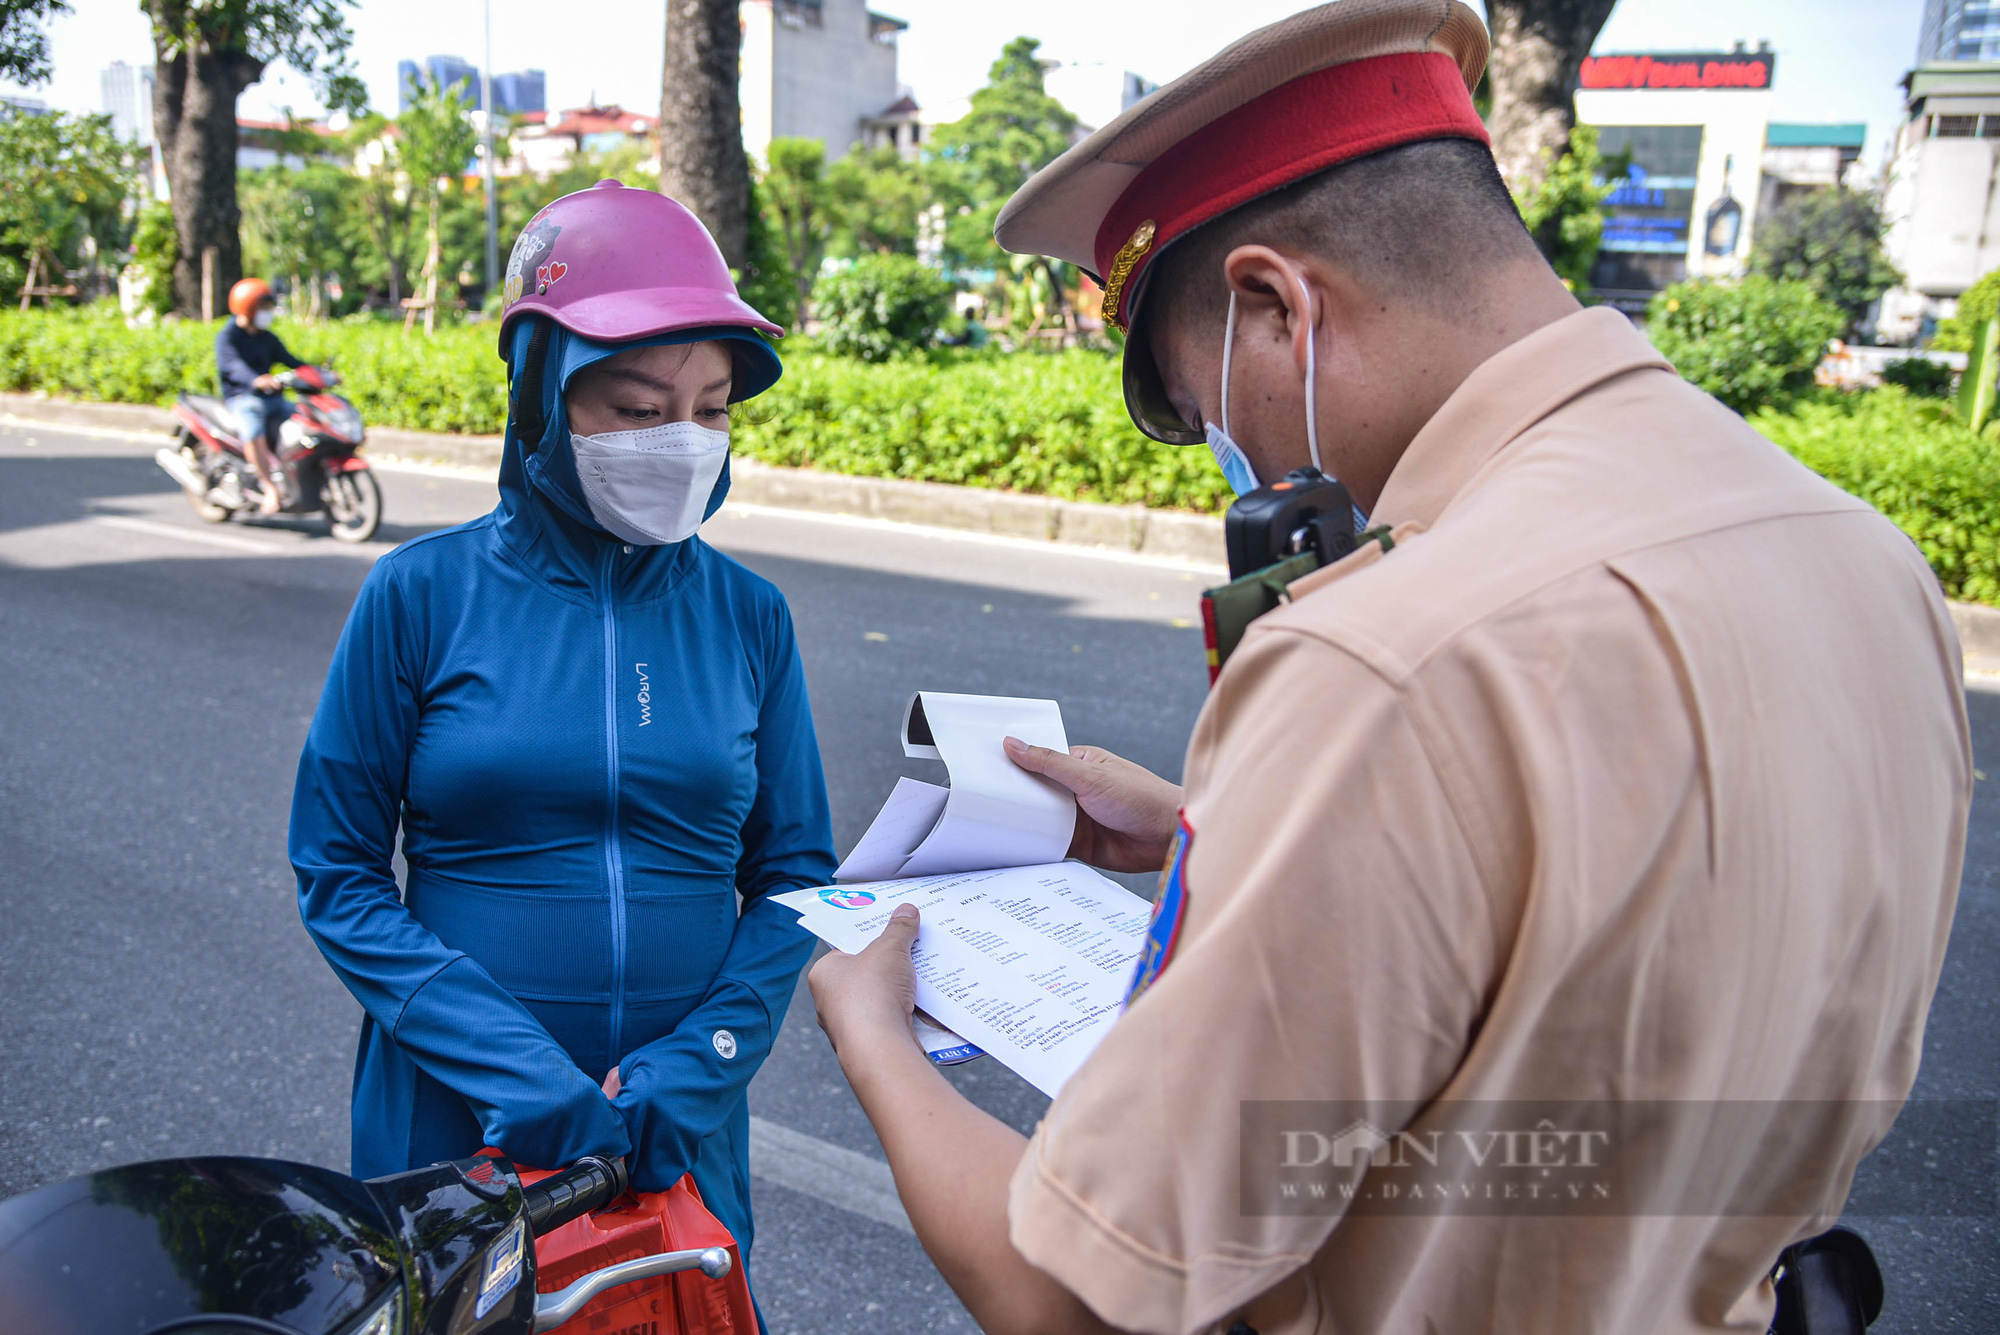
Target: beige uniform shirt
(1634, 776)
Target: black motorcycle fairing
(457, 1221)
(149, 1245)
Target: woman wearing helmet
(592, 731)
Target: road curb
(1169, 534)
(1978, 629)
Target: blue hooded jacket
(592, 749)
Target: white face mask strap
(1228, 345)
(1312, 383)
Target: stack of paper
(1026, 956)
(1030, 963)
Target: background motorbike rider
(245, 352)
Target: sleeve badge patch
(1169, 909)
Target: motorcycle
(317, 448)
(227, 1246)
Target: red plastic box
(645, 1224)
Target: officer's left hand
(869, 995)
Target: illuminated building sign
(1693, 70)
(1648, 216)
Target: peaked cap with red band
(1325, 86)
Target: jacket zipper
(614, 862)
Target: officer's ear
(1287, 295)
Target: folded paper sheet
(994, 814)
(1029, 963)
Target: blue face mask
(1229, 456)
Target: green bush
(1975, 308)
(1920, 376)
(1916, 463)
(882, 305)
(1749, 343)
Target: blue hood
(538, 481)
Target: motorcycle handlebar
(588, 1184)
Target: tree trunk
(431, 263)
(702, 162)
(1538, 51)
(194, 119)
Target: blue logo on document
(843, 898)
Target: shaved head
(1419, 225)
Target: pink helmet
(612, 264)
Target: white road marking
(42, 424)
(228, 540)
(840, 1177)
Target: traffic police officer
(1629, 774)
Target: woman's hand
(1126, 814)
(867, 998)
(612, 1084)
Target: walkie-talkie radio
(1274, 535)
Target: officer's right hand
(1125, 813)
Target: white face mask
(650, 486)
(264, 317)
(1229, 456)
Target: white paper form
(1029, 963)
(994, 814)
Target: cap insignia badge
(1121, 269)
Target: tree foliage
(205, 53)
(801, 211)
(311, 36)
(63, 183)
(875, 197)
(24, 47)
(1565, 210)
(1748, 343)
(881, 305)
(1831, 239)
(1979, 304)
(1012, 131)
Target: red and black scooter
(317, 448)
(234, 1246)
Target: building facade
(128, 100)
(519, 92)
(1941, 192)
(819, 69)
(1959, 30)
(437, 72)
(1695, 126)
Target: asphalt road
(156, 679)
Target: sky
(1838, 60)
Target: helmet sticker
(537, 239)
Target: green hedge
(1052, 423)
(1916, 463)
(1044, 422)
(1049, 423)
(454, 382)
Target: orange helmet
(247, 295)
